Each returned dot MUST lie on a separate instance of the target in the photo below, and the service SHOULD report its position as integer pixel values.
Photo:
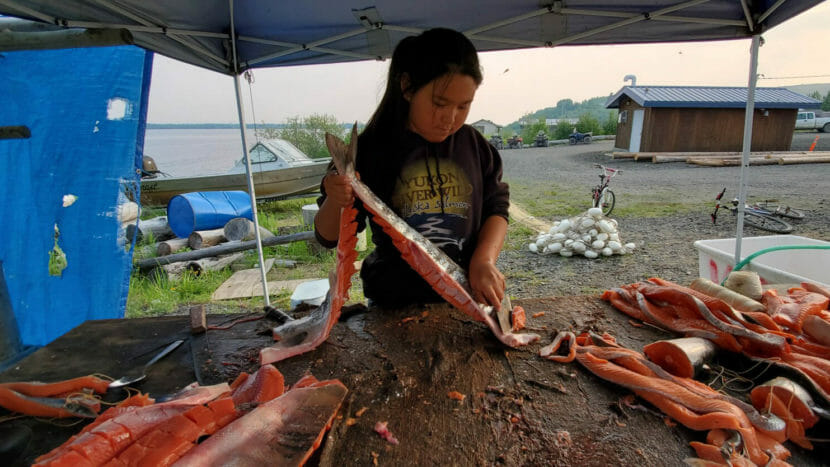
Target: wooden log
(673, 156)
(170, 271)
(659, 159)
(198, 320)
(805, 160)
(127, 212)
(205, 238)
(225, 248)
(212, 264)
(622, 155)
(171, 246)
(241, 228)
(157, 227)
(730, 162)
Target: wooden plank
(244, 283)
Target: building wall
(676, 130)
(485, 128)
(624, 118)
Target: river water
(189, 152)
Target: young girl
(438, 174)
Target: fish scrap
(773, 336)
(756, 438)
(274, 426)
(61, 399)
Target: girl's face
(438, 109)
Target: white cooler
(717, 259)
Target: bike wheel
(781, 210)
(769, 223)
(606, 202)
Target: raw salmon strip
(284, 431)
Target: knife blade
(504, 315)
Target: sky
(515, 82)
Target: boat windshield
(277, 150)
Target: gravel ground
(664, 244)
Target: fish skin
(283, 431)
(420, 253)
(444, 275)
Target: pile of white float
(590, 234)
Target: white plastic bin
(717, 259)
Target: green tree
(307, 133)
(530, 131)
(563, 129)
(816, 95)
(825, 104)
(610, 125)
(587, 123)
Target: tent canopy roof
(711, 97)
(325, 31)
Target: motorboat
(280, 170)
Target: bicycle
(776, 209)
(601, 196)
(753, 215)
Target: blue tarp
(86, 110)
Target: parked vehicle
(497, 141)
(810, 120)
(515, 142)
(577, 137)
(541, 139)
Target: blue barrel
(205, 210)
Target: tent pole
(238, 88)
(747, 146)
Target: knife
(504, 315)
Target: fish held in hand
(446, 277)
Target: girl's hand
(487, 283)
(338, 190)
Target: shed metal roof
(711, 97)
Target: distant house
(552, 123)
(486, 127)
(702, 118)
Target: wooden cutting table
(401, 366)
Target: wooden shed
(702, 118)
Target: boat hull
(278, 183)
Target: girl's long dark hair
(421, 59)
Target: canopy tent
(230, 37)
(285, 33)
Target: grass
(554, 202)
(161, 294)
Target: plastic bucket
(205, 210)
